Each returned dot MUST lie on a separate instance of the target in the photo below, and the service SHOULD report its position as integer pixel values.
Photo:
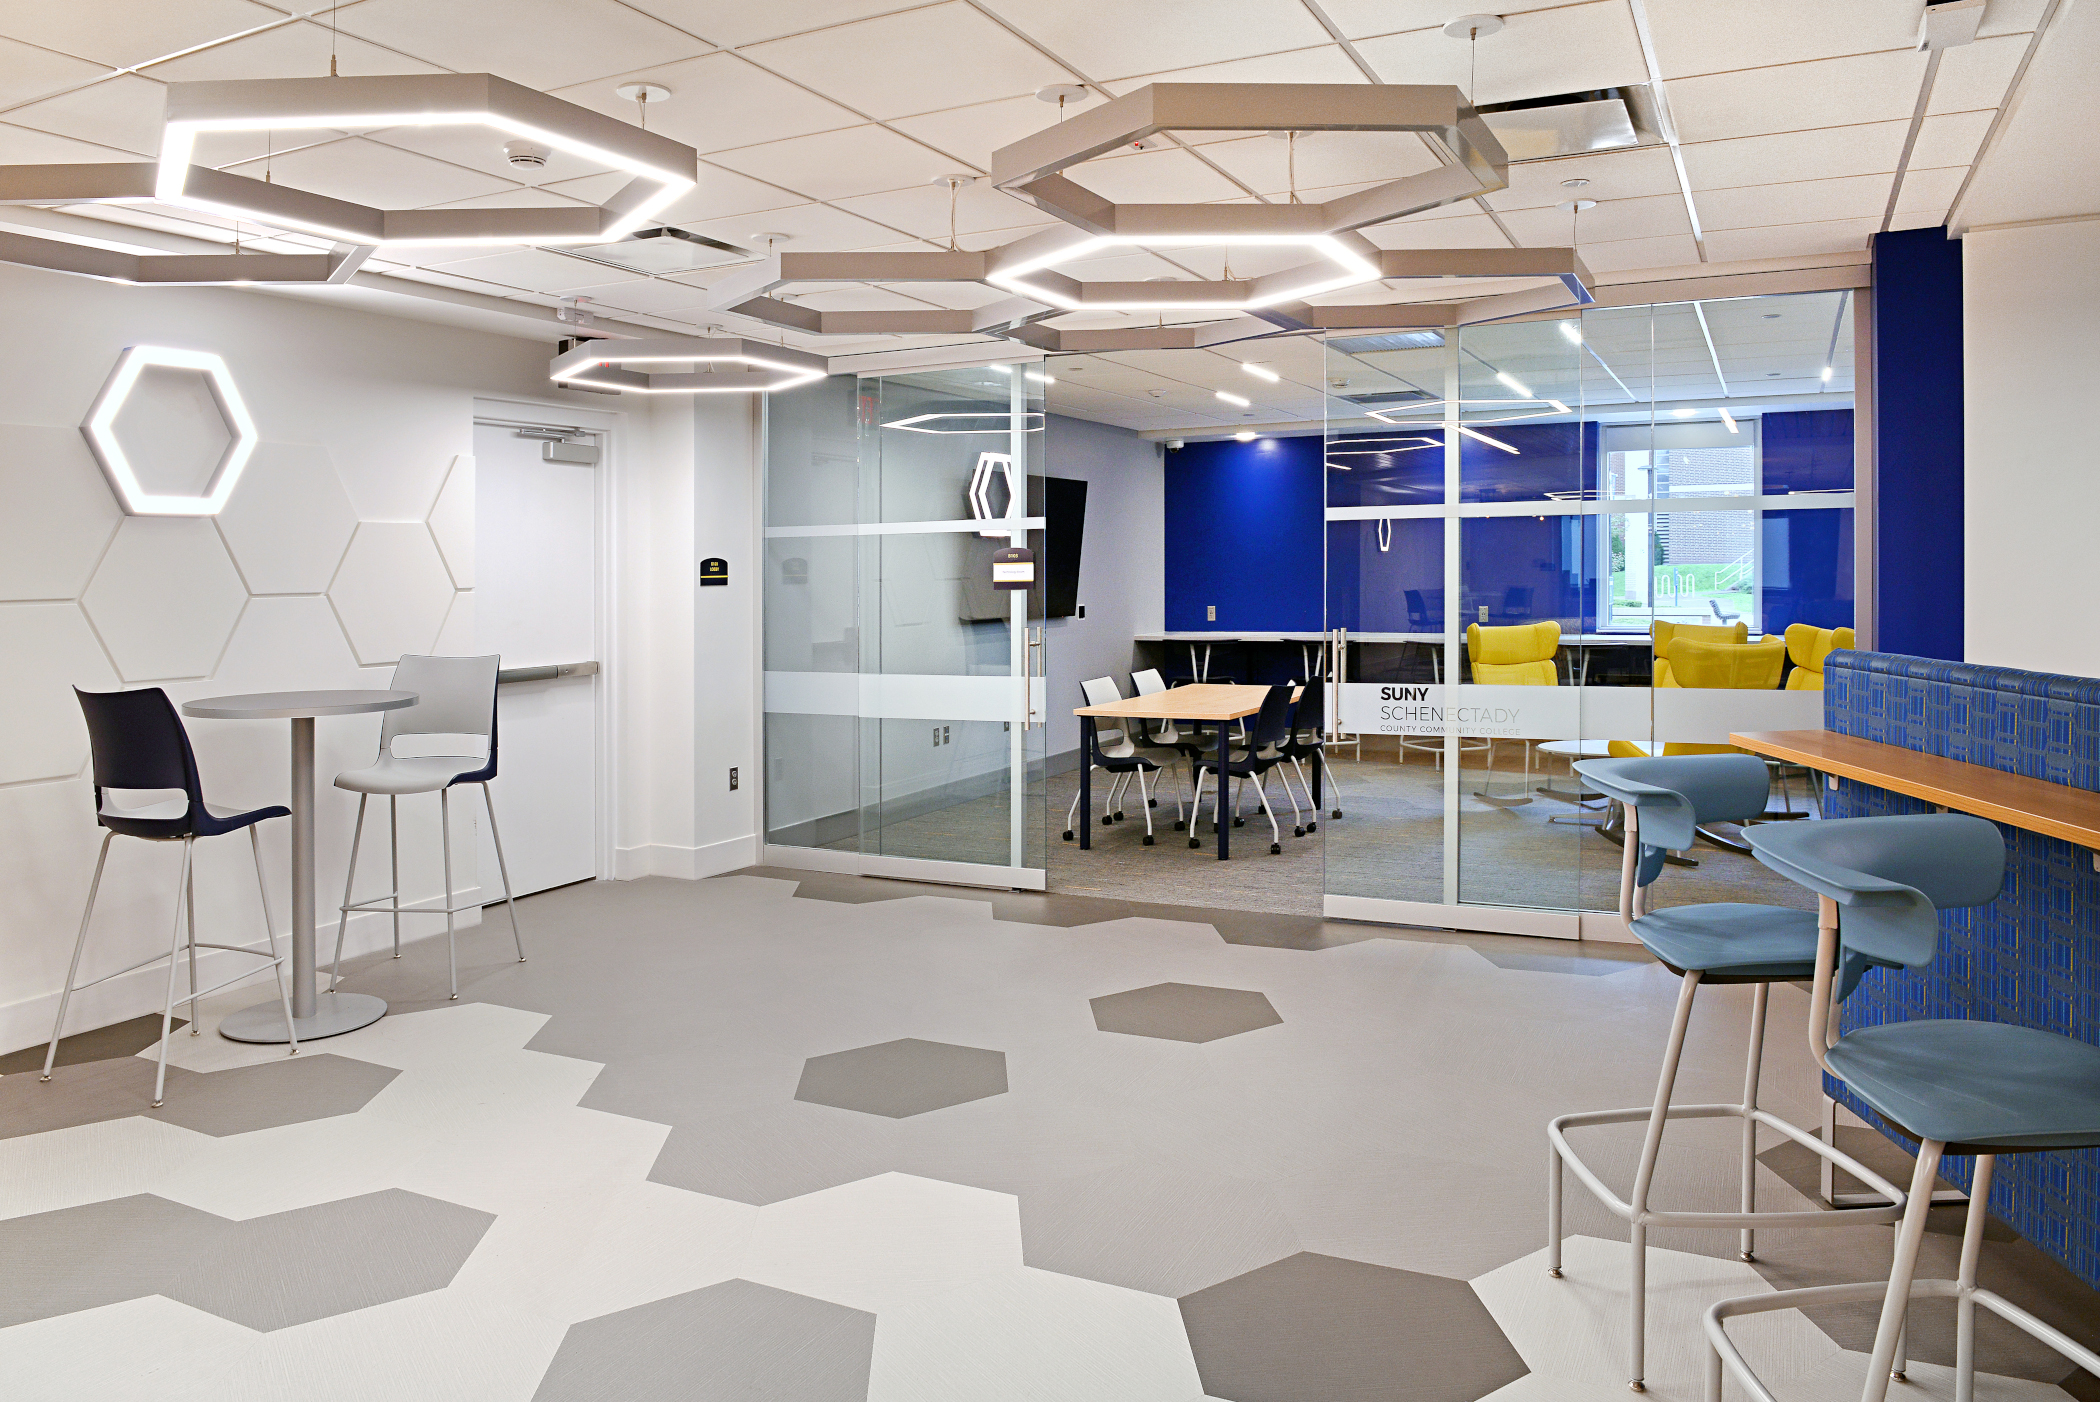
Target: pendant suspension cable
(1472, 63)
(332, 34)
(1290, 145)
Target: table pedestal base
(334, 1014)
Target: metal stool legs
(510, 902)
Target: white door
(536, 581)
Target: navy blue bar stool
(139, 746)
(1665, 799)
(1957, 1087)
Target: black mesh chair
(1272, 725)
(1306, 740)
(139, 746)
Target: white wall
(2031, 343)
(1122, 563)
(326, 565)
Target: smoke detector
(526, 155)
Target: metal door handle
(546, 674)
(1031, 673)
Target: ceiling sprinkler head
(526, 155)
(1575, 184)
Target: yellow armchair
(1808, 645)
(1526, 654)
(1664, 634)
(1720, 666)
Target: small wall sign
(714, 570)
(1012, 568)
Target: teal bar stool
(1665, 799)
(1957, 1087)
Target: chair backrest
(1272, 723)
(1100, 691)
(1148, 682)
(1664, 633)
(1309, 718)
(1890, 876)
(454, 696)
(1674, 794)
(1523, 654)
(1417, 612)
(138, 742)
(1808, 646)
(1727, 666)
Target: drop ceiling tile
(972, 133)
(1827, 154)
(1798, 202)
(860, 299)
(516, 198)
(125, 34)
(442, 279)
(23, 146)
(534, 270)
(481, 149)
(2011, 17)
(1613, 175)
(1469, 230)
(961, 296)
(1570, 49)
(1117, 38)
(1361, 19)
(1697, 36)
(1950, 140)
(918, 61)
(541, 43)
(1977, 75)
(1168, 176)
(299, 49)
(222, 150)
(123, 112)
(1625, 255)
(1323, 64)
(28, 73)
(1930, 189)
(650, 296)
(719, 195)
(836, 164)
(717, 101)
(923, 210)
(812, 227)
(1650, 216)
(371, 173)
(1324, 158)
(1917, 219)
(733, 22)
(1831, 236)
(1798, 96)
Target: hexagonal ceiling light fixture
(100, 431)
(760, 368)
(663, 169)
(746, 292)
(1473, 163)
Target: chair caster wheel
(1152, 803)
(1276, 849)
(1553, 1272)
(1119, 815)
(1195, 842)
(1239, 822)
(1298, 831)
(1636, 1386)
(1068, 834)
(1108, 819)
(1747, 1255)
(1335, 814)
(1899, 1376)
(1148, 839)
(1312, 827)
(1180, 826)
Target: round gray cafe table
(343, 1012)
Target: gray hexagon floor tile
(902, 1078)
(727, 1342)
(260, 1273)
(762, 1156)
(287, 1091)
(1153, 1228)
(1184, 1012)
(1313, 1328)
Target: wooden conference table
(1204, 701)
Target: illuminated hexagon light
(758, 367)
(100, 430)
(981, 488)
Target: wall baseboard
(27, 1022)
(685, 863)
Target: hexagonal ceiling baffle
(179, 450)
(59, 514)
(165, 599)
(289, 521)
(392, 591)
(45, 736)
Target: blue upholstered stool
(1981, 1088)
(1665, 800)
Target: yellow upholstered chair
(1808, 645)
(1664, 634)
(1524, 654)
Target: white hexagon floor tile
(165, 598)
(452, 521)
(392, 591)
(289, 520)
(56, 512)
(46, 738)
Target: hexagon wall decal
(392, 591)
(165, 599)
(103, 440)
(45, 736)
(59, 515)
(290, 521)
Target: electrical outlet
(1212, 613)
(945, 737)
(936, 737)
(1082, 610)
(1483, 613)
(732, 780)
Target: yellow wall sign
(714, 570)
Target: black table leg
(1086, 785)
(1319, 759)
(1223, 824)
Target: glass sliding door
(903, 705)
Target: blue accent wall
(1918, 425)
(2032, 956)
(1243, 532)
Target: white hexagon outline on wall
(387, 610)
(165, 599)
(451, 520)
(100, 431)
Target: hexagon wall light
(100, 430)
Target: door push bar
(546, 674)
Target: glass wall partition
(1524, 519)
(900, 736)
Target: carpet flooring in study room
(815, 1138)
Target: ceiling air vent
(1389, 397)
(1570, 124)
(666, 250)
(1387, 341)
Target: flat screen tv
(1061, 502)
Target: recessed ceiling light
(1682, 413)
(1260, 372)
(1245, 437)
(1234, 399)
(1038, 378)
(1572, 330)
(1826, 372)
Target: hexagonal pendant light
(100, 430)
(760, 367)
(663, 169)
